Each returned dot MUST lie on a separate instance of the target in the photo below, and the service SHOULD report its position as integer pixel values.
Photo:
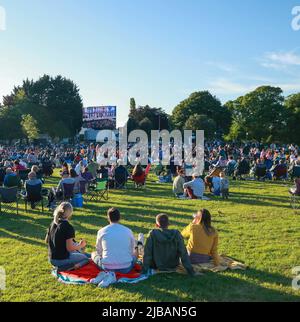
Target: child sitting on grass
(224, 185)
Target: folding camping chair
(260, 173)
(2, 175)
(34, 196)
(68, 191)
(295, 202)
(9, 196)
(100, 190)
(295, 172)
(23, 175)
(281, 173)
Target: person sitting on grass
(224, 185)
(296, 191)
(165, 248)
(120, 175)
(32, 182)
(18, 166)
(77, 179)
(56, 193)
(38, 171)
(11, 179)
(64, 252)
(138, 175)
(178, 183)
(203, 239)
(87, 175)
(195, 188)
(115, 250)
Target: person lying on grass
(165, 248)
(203, 239)
(64, 252)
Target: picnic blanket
(226, 263)
(86, 273)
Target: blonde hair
(60, 212)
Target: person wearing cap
(164, 249)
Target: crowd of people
(117, 250)
(81, 164)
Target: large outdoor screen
(100, 117)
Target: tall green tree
(132, 110)
(202, 103)
(292, 105)
(10, 124)
(59, 95)
(259, 115)
(149, 118)
(30, 127)
(202, 122)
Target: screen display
(100, 117)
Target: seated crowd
(117, 250)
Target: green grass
(257, 227)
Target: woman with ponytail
(203, 239)
(64, 252)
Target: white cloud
(280, 60)
(226, 86)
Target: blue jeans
(98, 261)
(74, 259)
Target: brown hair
(163, 221)
(206, 222)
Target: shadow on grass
(243, 286)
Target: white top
(115, 245)
(198, 187)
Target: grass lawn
(257, 226)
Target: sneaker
(109, 279)
(99, 278)
(141, 239)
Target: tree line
(53, 106)
(50, 105)
(263, 115)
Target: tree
(292, 105)
(259, 115)
(202, 122)
(30, 127)
(158, 119)
(146, 125)
(132, 108)
(10, 124)
(60, 96)
(202, 103)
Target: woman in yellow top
(203, 239)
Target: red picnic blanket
(91, 270)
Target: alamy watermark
(296, 20)
(164, 148)
(2, 19)
(2, 279)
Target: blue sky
(156, 51)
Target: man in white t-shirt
(115, 246)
